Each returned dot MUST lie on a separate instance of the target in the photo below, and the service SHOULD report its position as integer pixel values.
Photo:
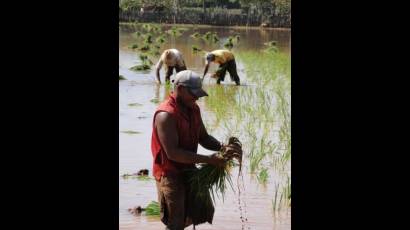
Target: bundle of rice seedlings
(209, 181)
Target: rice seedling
(207, 36)
(144, 48)
(152, 209)
(215, 37)
(195, 49)
(237, 37)
(175, 31)
(155, 100)
(122, 78)
(148, 38)
(263, 176)
(270, 43)
(141, 67)
(145, 65)
(130, 132)
(134, 46)
(132, 176)
(147, 27)
(209, 179)
(195, 35)
(229, 43)
(137, 34)
(134, 104)
(161, 39)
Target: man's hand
(232, 150)
(216, 160)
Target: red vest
(188, 128)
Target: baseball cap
(191, 81)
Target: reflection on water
(134, 150)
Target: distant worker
(172, 58)
(226, 61)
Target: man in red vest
(177, 131)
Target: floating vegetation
(229, 42)
(140, 67)
(134, 104)
(270, 43)
(152, 209)
(161, 39)
(137, 34)
(195, 49)
(195, 35)
(141, 178)
(155, 100)
(144, 48)
(175, 31)
(271, 47)
(130, 132)
(207, 36)
(215, 37)
(148, 38)
(237, 38)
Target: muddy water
(139, 97)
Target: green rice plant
(155, 100)
(130, 132)
(275, 199)
(148, 38)
(195, 35)
(207, 36)
(237, 38)
(209, 179)
(229, 43)
(137, 34)
(141, 67)
(144, 48)
(263, 176)
(134, 104)
(152, 209)
(134, 46)
(175, 31)
(195, 49)
(161, 39)
(147, 27)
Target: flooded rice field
(257, 112)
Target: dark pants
(171, 197)
(178, 209)
(229, 66)
(170, 70)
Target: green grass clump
(141, 67)
(152, 209)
